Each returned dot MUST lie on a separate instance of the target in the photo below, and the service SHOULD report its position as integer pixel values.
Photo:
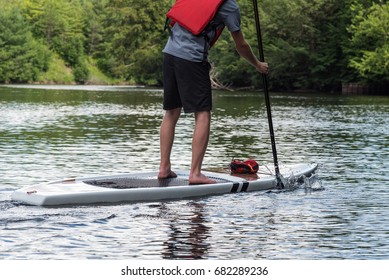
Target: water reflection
(50, 134)
(189, 240)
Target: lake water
(49, 133)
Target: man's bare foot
(166, 175)
(200, 180)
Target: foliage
(302, 43)
(22, 57)
(309, 44)
(133, 39)
(57, 72)
(370, 42)
(61, 24)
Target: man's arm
(244, 50)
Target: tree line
(310, 44)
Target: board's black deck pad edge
(134, 183)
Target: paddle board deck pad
(144, 186)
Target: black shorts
(186, 84)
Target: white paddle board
(144, 186)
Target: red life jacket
(196, 16)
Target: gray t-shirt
(184, 44)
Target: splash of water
(309, 184)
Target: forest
(310, 44)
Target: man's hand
(262, 67)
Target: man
(187, 85)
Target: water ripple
(341, 213)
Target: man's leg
(199, 147)
(167, 132)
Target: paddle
(267, 97)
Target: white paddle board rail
(144, 186)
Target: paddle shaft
(267, 96)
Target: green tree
(310, 44)
(301, 43)
(133, 33)
(370, 43)
(305, 42)
(22, 57)
(93, 30)
(61, 24)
